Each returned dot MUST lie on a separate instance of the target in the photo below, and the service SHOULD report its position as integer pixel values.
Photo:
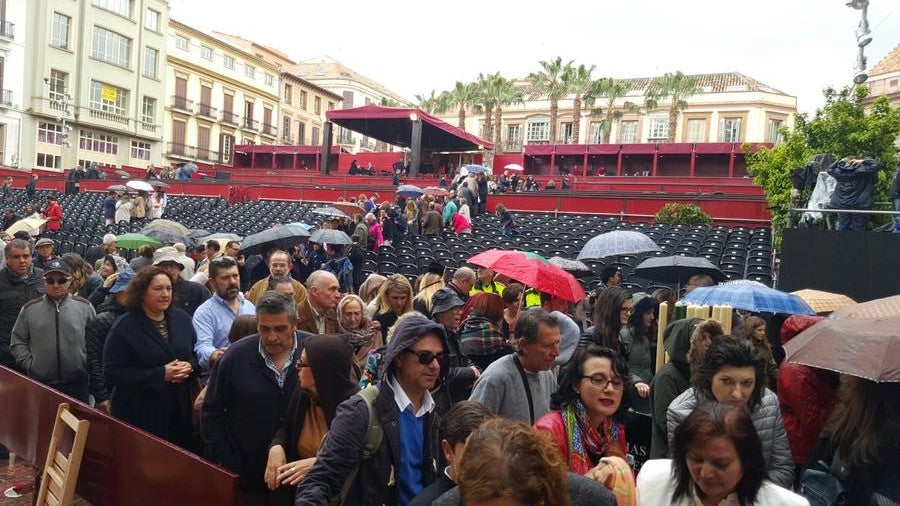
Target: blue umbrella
(617, 242)
(749, 296)
(475, 169)
(409, 191)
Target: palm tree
(501, 92)
(551, 83)
(431, 103)
(390, 102)
(677, 88)
(484, 102)
(579, 79)
(611, 91)
(463, 95)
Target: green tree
(502, 92)
(675, 89)
(552, 83)
(610, 91)
(484, 102)
(463, 96)
(843, 127)
(429, 103)
(389, 102)
(580, 83)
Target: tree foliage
(686, 214)
(844, 127)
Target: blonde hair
(398, 283)
(429, 283)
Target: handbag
(824, 484)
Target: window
(696, 130)
(206, 53)
(512, 134)
(317, 107)
(110, 47)
(288, 93)
(148, 110)
(315, 136)
(228, 62)
(182, 42)
(538, 130)
(566, 134)
(59, 82)
(730, 130)
(628, 134)
(249, 71)
(101, 143)
(151, 20)
(51, 133)
(60, 35)
(301, 133)
(120, 7)
(268, 80)
(773, 130)
(140, 150)
(108, 98)
(46, 160)
(330, 106)
(151, 61)
(286, 127)
(303, 99)
(659, 128)
(348, 100)
(596, 134)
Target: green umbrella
(135, 241)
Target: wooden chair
(60, 470)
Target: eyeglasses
(601, 382)
(56, 281)
(626, 309)
(426, 357)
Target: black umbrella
(330, 211)
(166, 235)
(677, 269)
(329, 236)
(281, 236)
(158, 184)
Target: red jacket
(806, 397)
(54, 215)
(553, 424)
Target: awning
(603, 149)
(713, 148)
(538, 150)
(285, 149)
(570, 149)
(638, 149)
(393, 125)
(675, 148)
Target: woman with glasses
(613, 308)
(149, 362)
(587, 420)
(323, 373)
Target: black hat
(436, 267)
(444, 300)
(57, 265)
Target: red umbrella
(436, 191)
(531, 270)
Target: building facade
(12, 79)
(730, 108)
(94, 86)
(219, 96)
(884, 81)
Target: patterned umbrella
(750, 297)
(409, 191)
(476, 169)
(166, 236)
(617, 242)
(569, 265)
(824, 302)
(118, 188)
(169, 224)
(888, 306)
(436, 191)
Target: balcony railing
(207, 111)
(207, 155)
(287, 139)
(149, 127)
(511, 145)
(108, 116)
(250, 124)
(182, 104)
(7, 30)
(345, 138)
(181, 150)
(270, 130)
(6, 98)
(231, 118)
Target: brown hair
(866, 421)
(137, 288)
(80, 271)
(750, 325)
(488, 305)
(242, 326)
(506, 458)
(398, 283)
(709, 326)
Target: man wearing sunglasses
(409, 455)
(48, 337)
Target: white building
(12, 78)
(94, 82)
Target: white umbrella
(139, 185)
(515, 166)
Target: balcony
(6, 98)
(207, 155)
(7, 30)
(182, 104)
(345, 138)
(149, 127)
(108, 116)
(230, 118)
(287, 139)
(206, 111)
(176, 150)
(511, 145)
(270, 130)
(250, 124)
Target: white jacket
(655, 486)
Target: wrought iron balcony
(6, 98)
(250, 124)
(182, 104)
(7, 30)
(207, 111)
(181, 150)
(231, 118)
(270, 130)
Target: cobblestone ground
(18, 471)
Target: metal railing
(231, 118)
(207, 155)
(207, 111)
(270, 130)
(6, 98)
(182, 104)
(287, 139)
(181, 150)
(7, 30)
(250, 124)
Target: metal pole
(415, 147)
(325, 165)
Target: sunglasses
(426, 357)
(56, 281)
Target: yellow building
(884, 81)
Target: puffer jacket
(14, 293)
(767, 420)
(807, 397)
(95, 339)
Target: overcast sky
(796, 46)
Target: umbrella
(30, 225)
(495, 257)
(166, 236)
(170, 225)
(330, 236)
(304, 226)
(330, 211)
(139, 185)
(122, 174)
(569, 265)
(280, 236)
(824, 302)
(409, 191)
(750, 297)
(532, 270)
(134, 241)
(864, 347)
(677, 269)
(221, 235)
(118, 188)
(436, 191)
(515, 167)
(617, 242)
(888, 306)
(156, 183)
(476, 169)
(348, 208)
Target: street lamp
(61, 101)
(862, 39)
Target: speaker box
(223, 175)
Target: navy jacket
(855, 185)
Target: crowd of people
(316, 385)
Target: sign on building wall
(109, 93)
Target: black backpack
(825, 484)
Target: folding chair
(61, 470)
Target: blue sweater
(412, 453)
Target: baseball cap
(443, 300)
(44, 242)
(122, 281)
(57, 266)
